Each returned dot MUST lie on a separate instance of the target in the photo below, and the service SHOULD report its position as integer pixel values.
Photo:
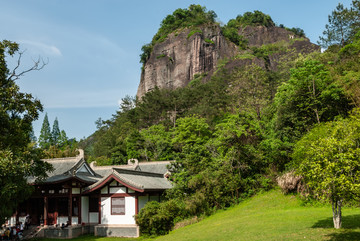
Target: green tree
(19, 159)
(251, 88)
(328, 160)
(55, 133)
(45, 134)
(338, 30)
(63, 139)
(310, 96)
(156, 143)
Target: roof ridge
(60, 158)
(139, 173)
(155, 162)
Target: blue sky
(92, 47)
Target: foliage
(231, 32)
(146, 51)
(18, 158)
(231, 29)
(158, 218)
(233, 134)
(257, 18)
(55, 143)
(251, 85)
(343, 24)
(194, 31)
(194, 15)
(45, 133)
(297, 31)
(55, 133)
(156, 143)
(328, 159)
(310, 96)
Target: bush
(159, 218)
(257, 18)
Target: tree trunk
(336, 207)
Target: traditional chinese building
(104, 199)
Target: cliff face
(174, 62)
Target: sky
(92, 47)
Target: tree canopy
(343, 24)
(328, 160)
(19, 158)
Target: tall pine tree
(63, 140)
(45, 134)
(55, 133)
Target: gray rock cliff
(174, 62)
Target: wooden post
(70, 207)
(46, 206)
(136, 204)
(79, 208)
(56, 210)
(100, 208)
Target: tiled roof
(141, 176)
(134, 179)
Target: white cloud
(40, 48)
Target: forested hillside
(232, 131)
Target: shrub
(192, 32)
(159, 218)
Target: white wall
(85, 209)
(62, 220)
(107, 218)
(74, 220)
(94, 217)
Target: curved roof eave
(103, 182)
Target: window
(118, 206)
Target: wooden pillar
(136, 204)
(70, 206)
(46, 207)
(100, 208)
(56, 210)
(79, 208)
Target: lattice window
(118, 206)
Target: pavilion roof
(137, 180)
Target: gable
(84, 168)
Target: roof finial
(133, 162)
(81, 153)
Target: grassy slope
(272, 216)
(268, 216)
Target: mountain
(174, 62)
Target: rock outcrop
(174, 62)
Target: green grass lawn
(268, 216)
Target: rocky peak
(174, 62)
